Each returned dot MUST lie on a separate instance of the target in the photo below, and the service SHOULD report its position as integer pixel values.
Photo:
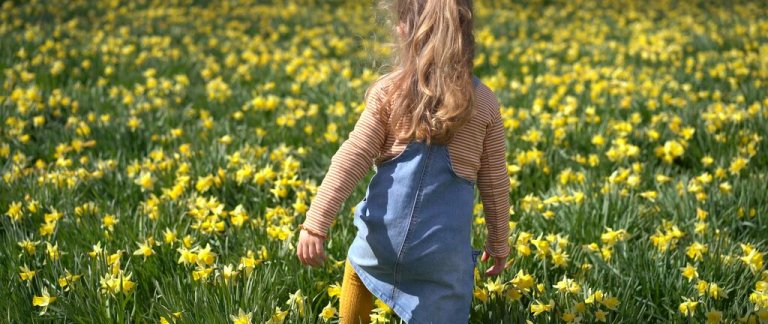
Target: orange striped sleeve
(493, 185)
(349, 164)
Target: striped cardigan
(477, 153)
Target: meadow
(157, 156)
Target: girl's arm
(348, 166)
(493, 184)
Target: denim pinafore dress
(413, 247)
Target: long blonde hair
(432, 82)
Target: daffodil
(278, 317)
(228, 272)
(96, 250)
(540, 307)
(714, 316)
(52, 251)
(14, 211)
(43, 301)
(205, 256)
(296, 301)
(144, 250)
(67, 279)
(752, 257)
(334, 290)
(689, 272)
(481, 294)
(25, 274)
(688, 307)
(568, 285)
(381, 307)
(600, 315)
(30, 247)
(241, 317)
(494, 287)
(120, 282)
(328, 312)
(201, 273)
(146, 181)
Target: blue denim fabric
(413, 247)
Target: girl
(433, 131)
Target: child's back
(412, 249)
(477, 154)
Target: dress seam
(410, 220)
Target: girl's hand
(311, 249)
(499, 263)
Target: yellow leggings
(356, 301)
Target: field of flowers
(157, 156)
